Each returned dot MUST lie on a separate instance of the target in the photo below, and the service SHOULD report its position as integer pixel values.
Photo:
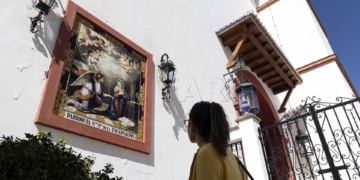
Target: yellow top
(209, 165)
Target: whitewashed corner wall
(295, 29)
(184, 30)
(326, 82)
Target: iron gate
(319, 140)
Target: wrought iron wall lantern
(247, 95)
(303, 142)
(246, 91)
(44, 7)
(167, 76)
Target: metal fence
(318, 141)
(236, 148)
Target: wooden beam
(265, 73)
(244, 27)
(279, 60)
(280, 90)
(258, 36)
(270, 59)
(276, 83)
(232, 62)
(272, 52)
(286, 99)
(266, 45)
(250, 61)
(265, 5)
(316, 64)
(249, 51)
(260, 67)
(271, 78)
(232, 39)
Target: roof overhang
(250, 38)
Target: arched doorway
(277, 142)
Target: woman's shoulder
(207, 150)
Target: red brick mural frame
(45, 115)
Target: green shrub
(38, 158)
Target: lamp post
(44, 7)
(167, 76)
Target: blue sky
(341, 20)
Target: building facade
(286, 55)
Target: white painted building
(200, 38)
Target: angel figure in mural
(117, 107)
(90, 95)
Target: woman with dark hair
(209, 128)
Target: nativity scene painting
(103, 83)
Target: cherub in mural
(102, 53)
(93, 60)
(90, 95)
(88, 33)
(95, 41)
(126, 62)
(134, 65)
(110, 49)
(98, 54)
(117, 107)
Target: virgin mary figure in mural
(118, 103)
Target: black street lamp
(167, 75)
(44, 7)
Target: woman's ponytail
(219, 134)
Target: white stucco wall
(295, 28)
(326, 82)
(184, 30)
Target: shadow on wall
(256, 3)
(175, 108)
(44, 40)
